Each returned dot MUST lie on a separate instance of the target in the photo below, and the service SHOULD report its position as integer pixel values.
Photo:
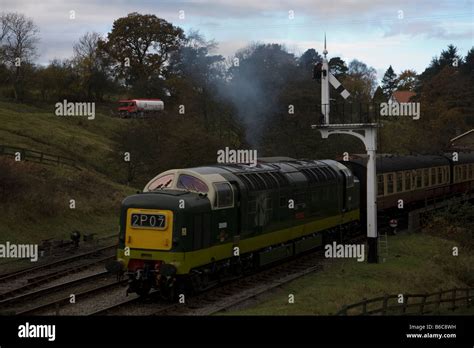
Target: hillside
(35, 198)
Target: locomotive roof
(392, 163)
(463, 157)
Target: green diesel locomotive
(191, 228)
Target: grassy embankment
(417, 263)
(34, 198)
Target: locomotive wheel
(168, 290)
(143, 289)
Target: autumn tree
(140, 47)
(307, 60)
(407, 80)
(360, 81)
(338, 67)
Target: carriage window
(399, 182)
(440, 175)
(225, 196)
(426, 178)
(407, 181)
(380, 188)
(433, 176)
(419, 179)
(389, 183)
(191, 183)
(161, 182)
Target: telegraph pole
(367, 133)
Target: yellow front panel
(146, 237)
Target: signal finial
(325, 52)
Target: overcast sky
(405, 34)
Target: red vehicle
(139, 107)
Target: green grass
(34, 198)
(91, 142)
(417, 263)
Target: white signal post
(367, 133)
(325, 102)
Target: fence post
(343, 311)
(405, 304)
(422, 305)
(364, 306)
(454, 299)
(440, 296)
(384, 307)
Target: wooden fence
(413, 304)
(37, 156)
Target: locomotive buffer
(366, 132)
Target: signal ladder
(383, 245)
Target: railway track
(225, 295)
(239, 291)
(45, 278)
(23, 298)
(20, 273)
(56, 305)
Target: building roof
(403, 96)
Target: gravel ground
(55, 295)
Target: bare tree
(18, 46)
(92, 66)
(86, 47)
(3, 27)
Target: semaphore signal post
(366, 132)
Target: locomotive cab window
(191, 183)
(161, 182)
(224, 195)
